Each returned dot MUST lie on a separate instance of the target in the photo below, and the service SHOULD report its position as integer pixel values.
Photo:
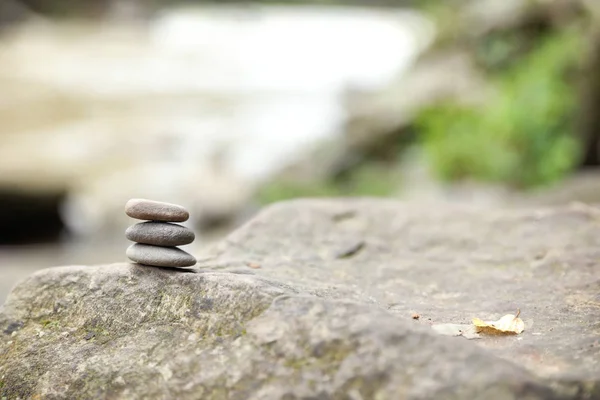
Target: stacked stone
(156, 240)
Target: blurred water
(269, 78)
(111, 111)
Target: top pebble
(150, 210)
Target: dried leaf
(507, 325)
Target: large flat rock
(314, 300)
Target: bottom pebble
(158, 256)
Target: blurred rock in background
(503, 105)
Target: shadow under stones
(167, 269)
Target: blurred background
(224, 107)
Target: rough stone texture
(159, 256)
(313, 300)
(160, 234)
(156, 211)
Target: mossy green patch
(326, 357)
(51, 324)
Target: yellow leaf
(507, 325)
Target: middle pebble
(160, 234)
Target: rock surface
(314, 299)
(160, 234)
(159, 256)
(156, 211)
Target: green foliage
(369, 180)
(524, 135)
